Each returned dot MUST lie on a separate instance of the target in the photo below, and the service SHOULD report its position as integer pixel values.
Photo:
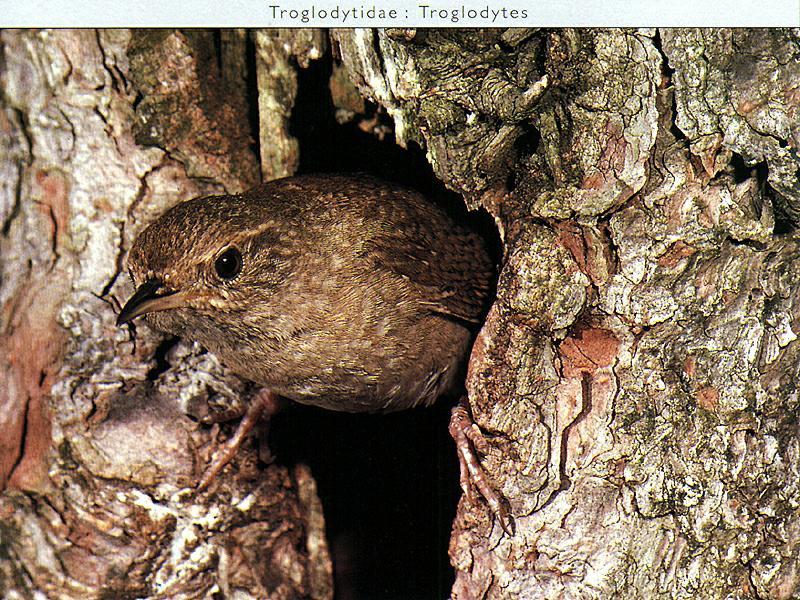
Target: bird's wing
(449, 268)
(399, 232)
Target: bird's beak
(147, 300)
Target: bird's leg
(263, 405)
(469, 441)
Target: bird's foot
(470, 441)
(262, 406)
(221, 408)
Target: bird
(343, 292)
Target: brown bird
(342, 292)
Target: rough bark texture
(277, 53)
(636, 373)
(101, 131)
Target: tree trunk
(635, 375)
(101, 132)
(637, 370)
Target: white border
(439, 13)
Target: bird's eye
(229, 264)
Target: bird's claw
(469, 441)
(263, 405)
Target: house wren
(342, 292)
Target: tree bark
(637, 370)
(635, 375)
(102, 131)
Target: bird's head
(204, 264)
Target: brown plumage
(353, 294)
(339, 291)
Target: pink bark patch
(588, 350)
